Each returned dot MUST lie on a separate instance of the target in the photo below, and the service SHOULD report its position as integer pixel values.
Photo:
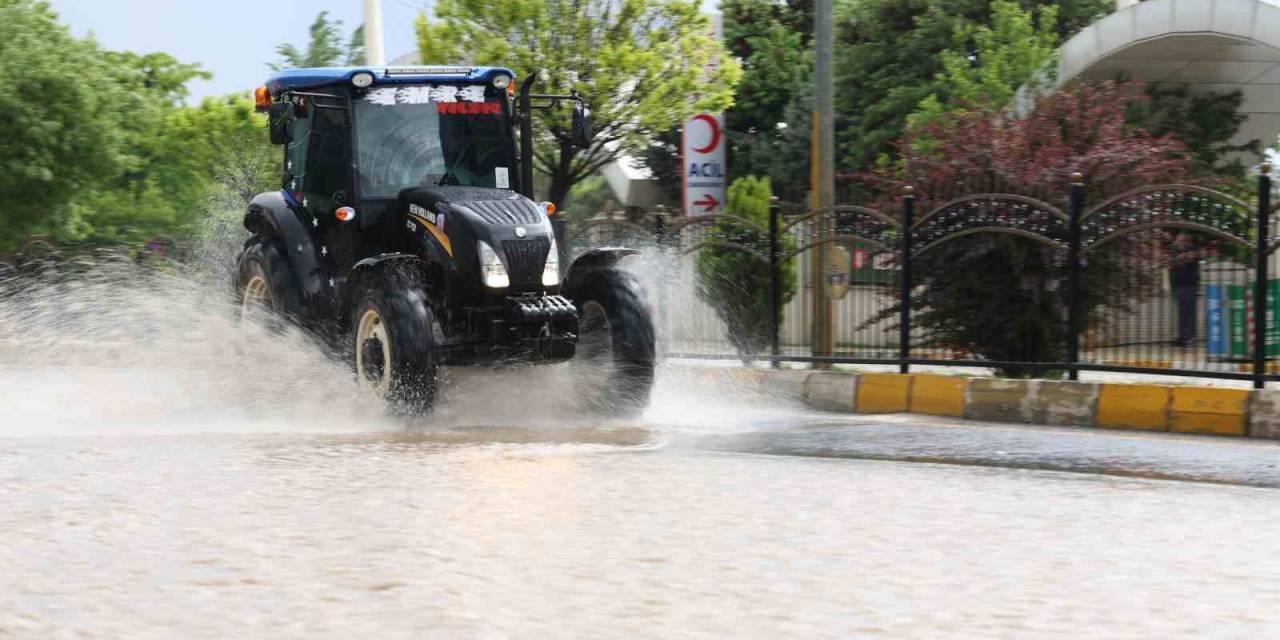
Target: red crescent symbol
(715, 133)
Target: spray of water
(102, 344)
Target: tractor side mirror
(581, 126)
(281, 118)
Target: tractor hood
(480, 205)
(512, 225)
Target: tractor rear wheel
(615, 355)
(265, 286)
(394, 343)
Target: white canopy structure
(1209, 45)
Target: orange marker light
(262, 98)
(550, 208)
(345, 214)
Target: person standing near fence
(1184, 278)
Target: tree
(661, 156)
(890, 61)
(990, 62)
(59, 132)
(735, 282)
(781, 152)
(100, 147)
(774, 40)
(998, 296)
(219, 144)
(1204, 121)
(355, 47)
(324, 47)
(642, 66)
(768, 126)
(1080, 127)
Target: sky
(233, 39)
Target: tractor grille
(505, 211)
(525, 259)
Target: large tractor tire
(615, 355)
(265, 286)
(392, 325)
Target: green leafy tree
(774, 40)
(127, 204)
(1204, 121)
(990, 62)
(60, 107)
(220, 144)
(781, 152)
(661, 156)
(324, 47)
(355, 47)
(768, 126)
(173, 155)
(100, 147)
(735, 282)
(890, 60)
(642, 66)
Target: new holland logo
(433, 223)
(436, 219)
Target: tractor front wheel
(615, 354)
(394, 344)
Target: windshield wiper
(448, 173)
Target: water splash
(103, 344)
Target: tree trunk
(562, 177)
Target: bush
(736, 282)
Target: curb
(1146, 407)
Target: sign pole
(373, 51)
(822, 169)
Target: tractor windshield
(426, 135)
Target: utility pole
(373, 52)
(821, 167)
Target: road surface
(161, 503)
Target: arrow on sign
(707, 203)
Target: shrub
(735, 282)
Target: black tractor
(406, 234)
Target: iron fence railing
(1167, 279)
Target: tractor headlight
(551, 272)
(501, 81)
(492, 273)
(362, 80)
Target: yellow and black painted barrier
(1148, 407)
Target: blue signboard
(1216, 320)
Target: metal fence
(1169, 279)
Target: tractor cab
(355, 139)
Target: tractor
(405, 233)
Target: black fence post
(667, 270)
(904, 313)
(1260, 279)
(1074, 319)
(775, 283)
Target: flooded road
(132, 509)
